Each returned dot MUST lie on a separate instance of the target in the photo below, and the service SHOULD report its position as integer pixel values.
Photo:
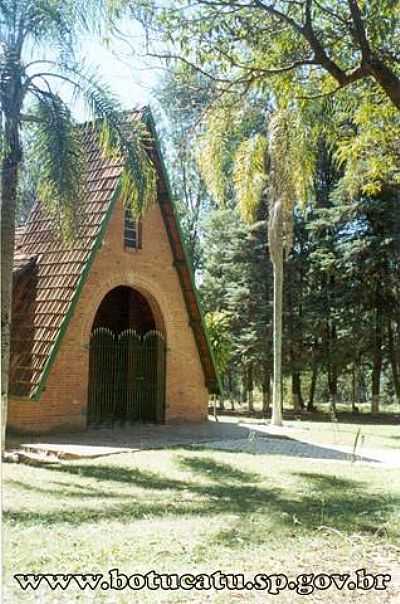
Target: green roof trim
(149, 120)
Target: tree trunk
(313, 385)
(266, 391)
(230, 389)
(297, 396)
(387, 79)
(377, 354)
(221, 398)
(277, 337)
(214, 401)
(332, 378)
(244, 391)
(393, 361)
(250, 388)
(353, 389)
(332, 368)
(9, 178)
(360, 389)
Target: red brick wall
(63, 405)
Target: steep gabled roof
(61, 269)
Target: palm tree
(29, 97)
(289, 179)
(278, 164)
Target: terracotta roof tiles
(60, 264)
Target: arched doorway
(126, 361)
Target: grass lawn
(373, 435)
(199, 510)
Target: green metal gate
(126, 377)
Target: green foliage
(341, 57)
(342, 256)
(220, 338)
(279, 164)
(237, 282)
(368, 149)
(292, 165)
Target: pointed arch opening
(127, 360)
(125, 308)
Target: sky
(123, 66)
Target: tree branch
(175, 57)
(273, 71)
(331, 13)
(321, 57)
(359, 29)
(281, 16)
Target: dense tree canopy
(342, 54)
(340, 339)
(315, 46)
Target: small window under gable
(132, 231)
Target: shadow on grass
(222, 489)
(217, 471)
(327, 483)
(67, 490)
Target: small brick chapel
(108, 329)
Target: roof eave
(213, 384)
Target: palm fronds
(57, 148)
(215, 150)
(36, 23)
(250, 174)
(292, 162)
(120, 135)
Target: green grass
(184, 510)
(343, 433)
(375, 436)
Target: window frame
(132, 231)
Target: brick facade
(151, 271)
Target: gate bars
(126, 377)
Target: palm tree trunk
(277, 337)
(9, 178)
